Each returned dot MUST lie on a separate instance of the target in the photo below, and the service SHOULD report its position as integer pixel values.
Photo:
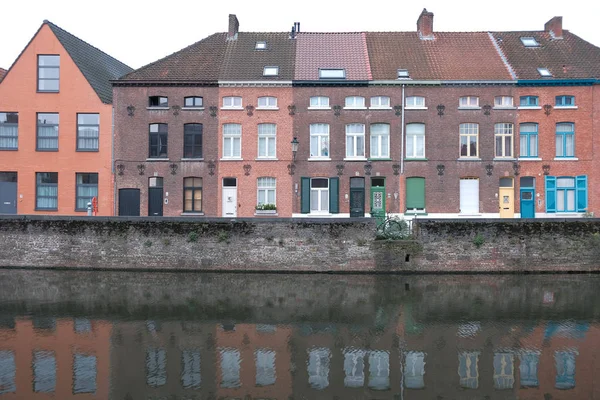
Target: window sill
(46, 150)
(529, 108)
(566, 159)
(355, 159)
(192, 214)
(267, 108)
(48, 91)
(380, 108)
(468, 159)
(46, 209)
(232, 108)
(415, 159)
(192, 108)
(192, 159)
(319, 108)
(469, 214)
(355, 108)
(380, 159)
(266, 159)
(416, 108)
(157, 159)
(231, 159)
(529, 159)
(505, 108)
(319, 159)
(265, 212)
(87, 150)
(469, 108)
(415, 212)
(9, 149)
(566, 107)
(504, 159)
(157, 108)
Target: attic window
(403, 74)
(529, 42)
(332, 73)
(544, 72)
(261, 46)
(271, 71)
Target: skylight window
(403, 74)
(271, 71)
(529, 42)
(261, 46)
(332, 73)
(544, 72)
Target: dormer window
(332, 73)
(544, 72)
(260, 46)
(193, 102)
(354, 102)
(267, 102)
(158, 101)
(529, 41)
(232, 102)
(271, 71)
(403, 74)
(468, 102)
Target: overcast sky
(139, 32)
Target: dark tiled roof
(2, 73)
(243, 62)
(98, 67)
(567, 58)
(451, 56)
(199, 62)
(332, 50)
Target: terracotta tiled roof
(450, 56)
(243, 62)
(199, 62)
(567, 58)
(2, 73)
(332, 50)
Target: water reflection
(188, 336)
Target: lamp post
(295, 144)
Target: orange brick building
(56, 127)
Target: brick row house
(355, 124)
(56, 127)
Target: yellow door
(506, 198)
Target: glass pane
(570, 200)
(49, 61)
(410, 146)
(560, 200)
(523, 146)
(570, 146)
(527, 181)
(48, 85)
(49, 73)
(533, 146)
(498, 146)
(360, 146)
(464, 150)
(314, 200)
(506, 182)
(420, 151)
(325, 200)
(237, 149)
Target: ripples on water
(218, 336)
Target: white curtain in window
(47, 196)
(47, 137)
(87, 138)
(85, 193)
(9, 136)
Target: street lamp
(295, 144)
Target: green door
(378, 199)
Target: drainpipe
(112, 159)
(402, 137)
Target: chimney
(554, 27)
(234, 26)
(425, 25)
(297, 25)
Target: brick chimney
(234, 26)
(425, 25)
(554, 27)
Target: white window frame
(465, 130)
(350, 103)
(354, 150)
(260, 45)
(378, 139)
(412, 103)
(268, 103)
(267, 185)
(381, 103)
(320, 208)
(332, 73)
(529, 41)
(269, 136)
(467, 102)
(412, 151)
(319, 105)
(504, 102)
(504, 131)
(544, 72)
(271, 70)
(229, 103)
(402, 74)
(321, 139)
(229, 139)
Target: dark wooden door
(155, 202)
(129, 202)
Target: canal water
(127, 336)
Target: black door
(357, 197)
(155, 202)
(129, 202)
(8, 192)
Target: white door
(469, 196)
(230, 197)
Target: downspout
(402, 136)
(112, 163)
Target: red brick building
(471, 124)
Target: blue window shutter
(550, 194)
(305, 195)
(581, 194)
(334, 192)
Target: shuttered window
(415, 194)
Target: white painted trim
(158, 108)
(319, 159)
(319, 108)
(566, 159)
(415, 108)
(529, 108)
(192, 108)
(529, 159)
(566, 107)
(469, 108)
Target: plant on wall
(266, 207)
